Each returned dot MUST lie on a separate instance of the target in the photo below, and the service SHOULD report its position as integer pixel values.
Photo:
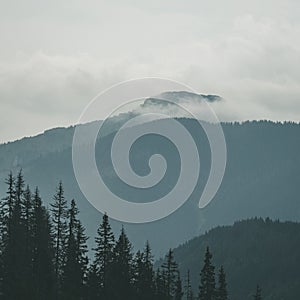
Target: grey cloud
(57, 58)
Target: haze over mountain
(255, 251)
(261, 178)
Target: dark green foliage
(30, 242)
(207, 287)
(28, 245)
(188, 291)
(93, 286)
(59, 219)
(257, 295)
(16, 264)
(251, 251)
(144, 283)
(42, 246)
(122, 269)
(178, 293)
(101, 269)
(261, 178)
(171, 275)
(160, 285)
(75, 268)
(222, 293)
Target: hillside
(252, 252)
(262, 178)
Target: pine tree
(19, 186)
(144, 274)
(82, 251)
(59, 214)
(138, 275)
(207, 288)
(7, 205)
(188, 287)
(122, 269)
(74, 270)
(93, 288)
(27, 210)
(258, 295)
(178, 294)
(43, 269)
(160, 285)
(6, 209)
(171, 272)
(222, 293)
(14, 254)
(105, 242)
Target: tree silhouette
(207, 287)
(222, 293)
(258, 295)
(59, 215)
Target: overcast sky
(55, 56)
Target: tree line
(43, 255)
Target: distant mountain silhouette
(262, 177)
(252, 252)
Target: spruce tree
(144, 274)
(93, 288)
(138, 275)
(171, 272)
(105, 242)
(43, 269)
(178, 294)
(258, 295)
(74, 270)
(6, 209)
(160, 285)
(207, 287)
(7, 205)
(122, 269)
(148, 273)
(188, 287)
(27, 211)
(59, 214)
(19, 186)
(15, 285)
(222, 293)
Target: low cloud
(252, 63)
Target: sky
(55, 56)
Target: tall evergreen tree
(178, 294)
(42, 269)
(138, 275)
(207, 287)
(105, 242)
(258, 295)
(19, 186)
(144, 274)
(160, 285)
(171, 272)
(93, 288)
(15, 266)
(222, 293)
(188, 287)
(7, 205)
(74, 271)
(121, 286)
(59, 219)
(6, 209)
(27, 211)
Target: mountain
(261, 179)
(252, 252)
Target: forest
(44, 255)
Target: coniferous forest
(44, 255)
